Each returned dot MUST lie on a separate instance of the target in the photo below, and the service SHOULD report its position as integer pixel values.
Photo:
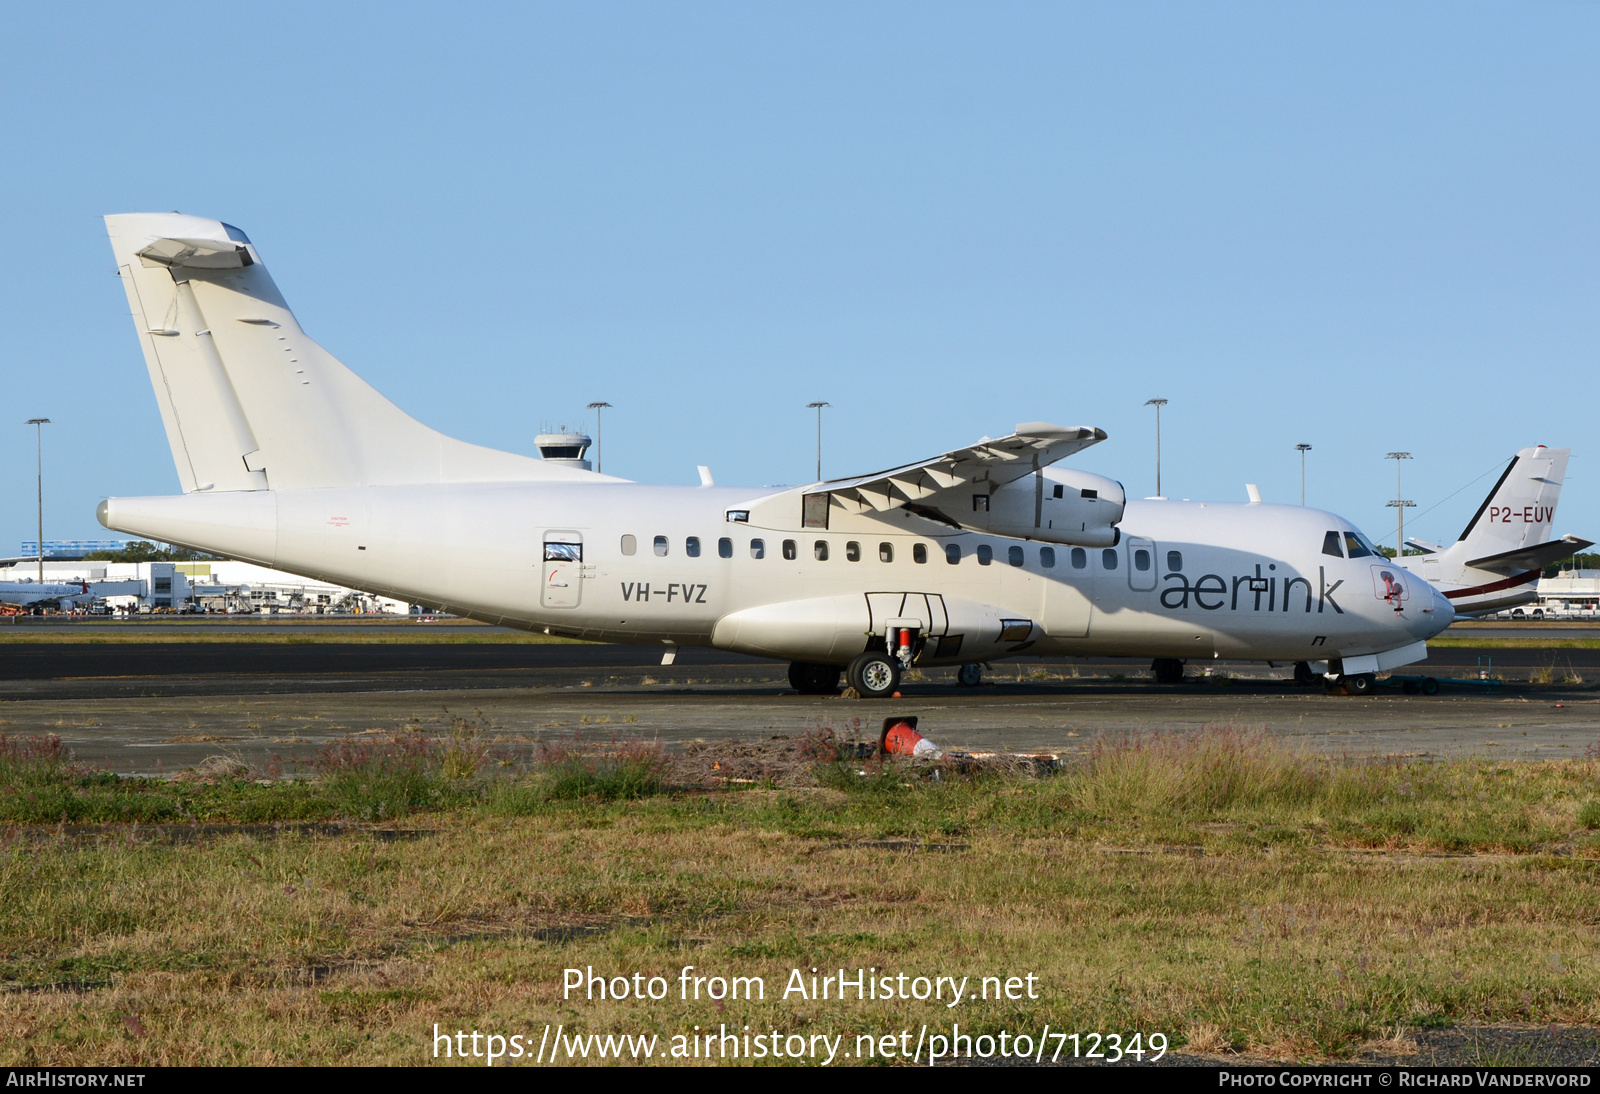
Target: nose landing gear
(1168, 670)
(874, 675)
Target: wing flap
(996, 462)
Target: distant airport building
(71, 548)
(217, 586)
(1571, 594)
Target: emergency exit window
(1141, 560)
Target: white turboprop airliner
(1506, 546)
(288, 459)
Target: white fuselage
(1187, 580)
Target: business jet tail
(249, 400)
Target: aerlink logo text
(1401, 1078)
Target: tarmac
(159, 706)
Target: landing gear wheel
(1430, 686)
(1304, 677)
(969, 675)
(809, 679)
(874, 675)
(1360, 683)
(1168, 670)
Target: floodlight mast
(1399, 504)
(599, 435)
(1303, 449)
(818, 408)
(38, 430)
(1158, 404)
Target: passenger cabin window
(952, 553)
(820, 550)
(563, 552)
(1047, 557)
(1174, 561)
(919, 553)
(758, 548)
(985, 554)
(1014, 555)
(661, 546)
(1108, 558)
(725, 547)
(852, 551)
(1058, 492)
(629, 545)
(1141, 560)
(885, 552)
(1080, 558)
(1330, 545)
(1356, 547)
(1090, 494)
(789, 551)
(691, 546)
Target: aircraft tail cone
(900, 738)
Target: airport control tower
(564, 448)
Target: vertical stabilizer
(1519, 511)
(249, 401)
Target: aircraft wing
(1531, 558)
(997, 462)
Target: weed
(618, 769)
(1589, 814)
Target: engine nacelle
(1058, 505)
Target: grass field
(1216, 888)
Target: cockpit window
(1330, 545)
(1358, 545)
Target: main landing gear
(809, 679)
(1359, 683)
(970, 675)
(1168, 670)
(1304, 677)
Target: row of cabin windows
(820, 550)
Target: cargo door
(563, 570)
(1066, 610)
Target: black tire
(1304, 677)
(874, 675)
(969, 675)
(1168, 670)
(1430, 686)
(810, 679)
(1360, 683)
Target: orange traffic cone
(900, 738)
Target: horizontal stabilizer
(996, 462)
(1531, 558)
(1423, 545)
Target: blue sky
(1363, 226)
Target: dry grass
(1212, 888)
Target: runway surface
(164, 704)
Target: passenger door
(563, 570)
(1141, 565)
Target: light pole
(818, 408)
(599, 435)
(1399, 504)
(1303, 449)
(38, 431)
(1158, 404)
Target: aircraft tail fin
(1518, 512)
(249, 401)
